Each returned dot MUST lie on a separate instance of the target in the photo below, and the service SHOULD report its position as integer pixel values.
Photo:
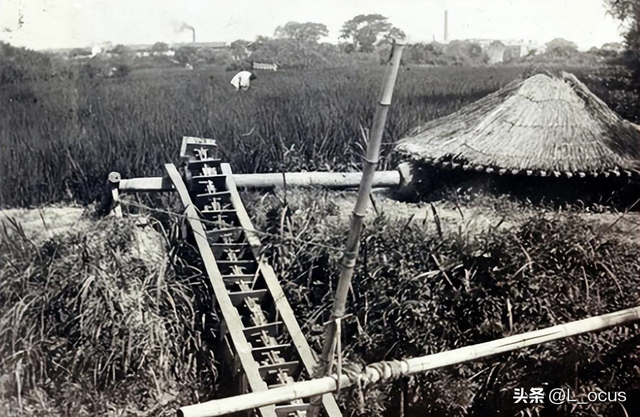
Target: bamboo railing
(382, 372)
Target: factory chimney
(191, 28)
(446, 26)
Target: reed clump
(89, 326)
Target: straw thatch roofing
(539, 126)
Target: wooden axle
(333, 180)
(386, 371)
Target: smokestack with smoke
(185, 26)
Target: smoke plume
(185, 26)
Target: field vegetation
(100, 319)
(89, 326)
(92, 325)
(64, 129)
(418, 291)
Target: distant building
(139, 50)
(482, 42)
(202, 45)
(505, 50)
(101, 49)
(265, 67)
(170, 52)
(495, 52)
(616, 47)
(146, 50)
(511, 53)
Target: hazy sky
(43, 24)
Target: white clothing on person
(242, 80)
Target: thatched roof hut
(546, 126)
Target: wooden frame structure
(250, 299)
(260, 327)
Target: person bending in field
(242, 80)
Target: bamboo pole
(387, 371)
(333, 180)
(357, 219)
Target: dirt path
(482, 216)
(46, 222)
(43, 223)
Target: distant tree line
(18, 65)
(628, 12)
(288, 52)
(364, 39)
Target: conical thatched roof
(539, 126)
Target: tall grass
(89, 325)
(59, 140)
(416, 293)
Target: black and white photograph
(320, 208)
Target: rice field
(59, 140)
(93, 325)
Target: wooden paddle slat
(289, 409)
(271, 329)
(291, 368)
(237, 298)
(266, 350)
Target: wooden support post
(114, 183)
(348, 261)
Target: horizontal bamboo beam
(389, 370)
(334, 180)
(145, 184)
